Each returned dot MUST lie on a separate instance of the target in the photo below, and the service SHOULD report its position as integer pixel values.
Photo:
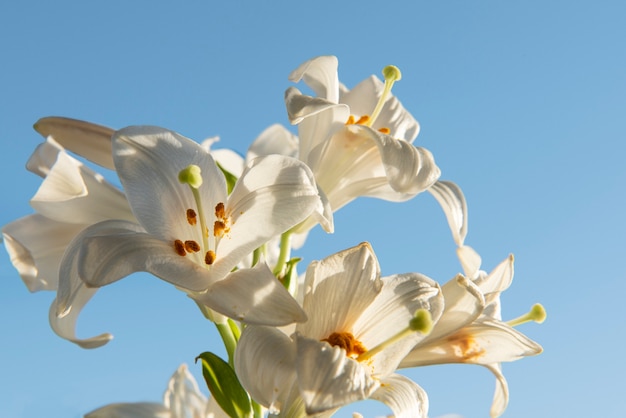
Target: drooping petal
(405, 397)
(338, 289)
(327, 378)
(364, 97)
(183, 396)
(73, 193)
(276, 139)
(265, 364)
(36, 246)
(148, 160)
(84, 138)
(65, 326)
(470, 261)
(483, 342)
(400, 297)
(132, 410)
(253, 296)
(320, 74)
(452, 201)
(274, 194)
(501, 393)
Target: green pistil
(421, 322)
(192, 176)
(537, 314)
(391, 74)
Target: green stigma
(392, 73)
(536, 314)
(421, 322)
(191, 175)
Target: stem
(230, 342)
(285, 252)
(257, 409)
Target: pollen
(385, 131)
(350, 120)
(179, 247)
(192, 246)
(363, 120)
(209, 257)
(466, 348)
(220, 228)
(346, 340)
(192, 218)
(220, 213)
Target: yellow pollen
(363, 120)
(350, 120)
(220, 213)
(346, 340)
(192, 217)
(209, 257)
(192, 246)
(385, 131)
(219, 229)
(179, 247)
(466, 348)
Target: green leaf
(231, 179)
(224, 386)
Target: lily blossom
(182, 399)
(471, 329)
(348, 350)
(359, 142)
(191, 233)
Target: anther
(179, 247)
(385, 131)
(209, 257)
(192, 218)
(220, 213)
(219, 229)
(346, 340)
(350, 120)
(192, 246)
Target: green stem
(230, 341)
(258, 409)
(285, 252)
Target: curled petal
(405, 398)
(44, 157)
(84, 138)
(36, 246)
(319, 73)
(452, 201)
(327, 378)
(65, 326)
(501, 393)
(253, 296)
(183, 396)
(265, 364)
(470, 261)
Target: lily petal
(36, 246)
(84, 138)
(405, 398)
(132, 410)
(501, 393)
(470, 261)
(364, 97)
(148, 160)
(276, 139)
(253, 296)
(400, 297)
(327, 378)
(452, 201)
(265, 364)
(338, 289)
(320, 74)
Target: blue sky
(522, 104)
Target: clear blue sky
(522, 103)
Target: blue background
(522, 103)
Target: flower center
(348, 342)
(391, 74)
(192, 176)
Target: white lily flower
(182, 399)
(471, 330)
(359, 142)
(71, 198)
(191, 232)
(349, 348)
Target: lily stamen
(421, 322)
(537, 314)
(192, 176)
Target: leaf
(224, 386)
(231, 179)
